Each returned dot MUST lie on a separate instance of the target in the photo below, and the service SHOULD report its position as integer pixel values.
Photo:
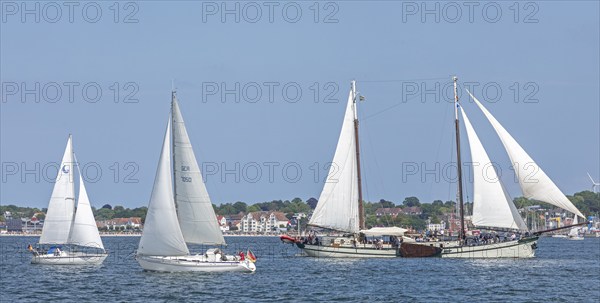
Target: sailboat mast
(361, 214)
(173, 143)
(459, 164)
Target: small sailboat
(69, 236)
(574, 232)
(492, 208)
(340, 203)
(181, 212)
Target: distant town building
(262, 222)
(388, 212)
(120, 223)
(223, 223)
(436, 226)
(14, 225)
(413, 210)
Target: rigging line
(437, 156)
(370, 140)
(389, 108)
(400, 80)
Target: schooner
(492, 207)
(340, 206)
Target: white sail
(574, 232)
(59, 217)
(162, 235)
(338, 204)
(534, 182)
(196, 215)
(491, 205)
(84, 231)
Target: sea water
(562, 271)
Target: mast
(361, 215)
(459, 163)
(173, 143)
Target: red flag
(250, 256)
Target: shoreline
(133, 235)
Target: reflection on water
(562, 271)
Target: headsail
(162, 235)
(338, 204)
(59, 218)
(491, 206)
(196, 215)
(84, 231)
(534, 183)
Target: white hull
(69, 259)
(320, 251)
(524, 248)
(192, 263)
(575, 238)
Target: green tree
(411, 201)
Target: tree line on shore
(587, 201)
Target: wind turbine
(594, 184)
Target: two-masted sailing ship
(69, 235)
(493, 210)
(340, 206)
(180, 212)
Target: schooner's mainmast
(459, 164)
(361, 215)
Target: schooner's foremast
(459, 193)
(361, 216)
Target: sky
(262, 87)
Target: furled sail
(59, 217)
(162, 235)
(196, 215)
(338, 204)
(534, 183)
(84, 231)
(491, 206)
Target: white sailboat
(574, 232)
(181, 211)
(492, 208)
(340, 203)
(71, 235)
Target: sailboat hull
(69, 259)
(320, 251)
(192, 263)
(523, 248)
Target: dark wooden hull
(412, 250)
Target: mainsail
(338, 204)
(162, 234)
(57, 225)
(491, 205)
(196, 215)
(534, 183)
(84, 231)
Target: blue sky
(550, 49)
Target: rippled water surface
(563, 271)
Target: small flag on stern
(250, 256)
